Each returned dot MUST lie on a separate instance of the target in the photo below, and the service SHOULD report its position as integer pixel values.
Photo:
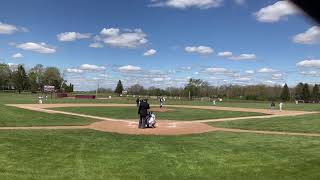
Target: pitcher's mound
(163, 128)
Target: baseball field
(99, 139)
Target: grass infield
(172, 113)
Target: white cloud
(311, 36)
(97, 38)
(249, 71)
(110, 32)
(187, 68)
(11, 29)
(277, 76)
(96, 45)
(216, 70)
(7, 28)
(97, 78)
(156, 72)
(172, 71)
(37, 47)
(183, 4)
(202, 50)
(270, 82)
(158, 79)
(241, 57)
(225, 54)
(104, 75)
(127, 39)
(17, 55)
(276, 12)
(243, 79)
(150, 52)
(311, 73)
(73, 70)
(72, 36)
(266, 70)
(244, 57)
(23, 29)
(90, 67)
(309, 64)
(129, 68)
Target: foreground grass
(305, 123)
(172, 114)
(85, 154)
(16, 117)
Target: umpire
(143, 112)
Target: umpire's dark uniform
(143, 112)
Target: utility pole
(97, 90)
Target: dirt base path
(164, 127)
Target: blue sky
(162, 42)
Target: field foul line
(267, 132)
(255, 117)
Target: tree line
(18, 79)
(197, 88)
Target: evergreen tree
(299, 91)
(71, 89)
(20, 79)
(316, 93)
(306, 92)
(285, 94)
(67, 88)
(119, 88)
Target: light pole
(97, 89)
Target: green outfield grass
(92, 155)
(266, 105)
(305, 123)
(172, 114)
(15, 117)
(25, 98)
